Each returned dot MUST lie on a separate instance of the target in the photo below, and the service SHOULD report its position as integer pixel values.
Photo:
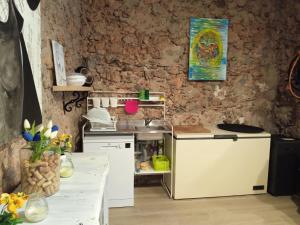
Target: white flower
(26, 124)
(41, 128)
(49, 126)
(53, 134)
(48, 133)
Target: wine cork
(51, 157)
(49, 175)
(41, 182)
(46, 158)
(44, 170)
(47, 191)
(35, 164)
(46, 184)
(35, 188)
(43, 164)
(38, 175)
(30, 181)
(27, 171)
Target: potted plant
(40, 160)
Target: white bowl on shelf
(76, 79)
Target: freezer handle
(234, 137)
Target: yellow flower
(69, 136)
(69, 145)
(4, 198)
(12, 208)
(19, 202)
(13, 196)
(22, 195)
(55, 141)
(62, 137)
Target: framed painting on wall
(208, 49)
(59, 63)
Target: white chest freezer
(220, 163)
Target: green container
(160, 163)
(144, 94)
(147, 94)
(141, 94)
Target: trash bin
(284, 166)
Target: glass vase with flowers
(40, 160)
(66, 164)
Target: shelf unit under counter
(167, 150)
(151, 172)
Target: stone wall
(10, 164)
(61, 21)
(287, 108)
(135, 44)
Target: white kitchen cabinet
(120, 151)
(206, 166)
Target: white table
(80, 197)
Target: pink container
(131, 106)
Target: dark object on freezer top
(241, 128)
(284, 165)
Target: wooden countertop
(190, 129)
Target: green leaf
(32, 130)
(7, 219)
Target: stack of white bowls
(76, 79)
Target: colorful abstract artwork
(208, 49)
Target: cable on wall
(294, 75)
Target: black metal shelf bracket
(77, 99)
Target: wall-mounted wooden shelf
(79, 94)
(71, 88)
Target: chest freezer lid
(211, 132)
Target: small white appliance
(120, 150)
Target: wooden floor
(153, 207)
